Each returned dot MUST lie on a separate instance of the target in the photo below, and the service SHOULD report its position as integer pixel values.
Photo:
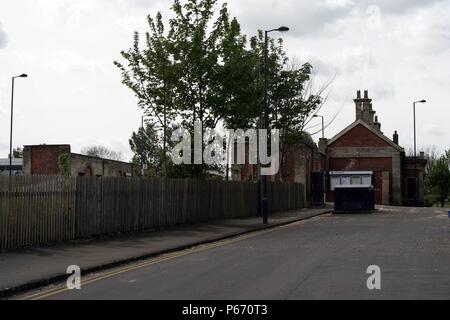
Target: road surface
(322, 258)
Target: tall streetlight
(415, 155)
(323, 137)
(142, 160)
(23, 75)
(323, 127)
(265, 124)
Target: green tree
(439, 178)
(63, 164)
(147, 148)
(151, 74)
(17, 153)
(204, 69)
(291, 99)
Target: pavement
(29, 268)
(326, 257)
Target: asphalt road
(322, 258)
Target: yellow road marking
(164, 257)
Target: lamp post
(415, 155)
(23, 75)
(265, 124)
(323, 137)
(142, 160)
(323, 127)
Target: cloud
(397, 7)
(319, 18)
(67, 61)
(314, 14)
(356, 59)
(3, 37)
(320, 67)
(427, 30)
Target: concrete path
(33, 267)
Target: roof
(46, 145)
(15, 162)
(370, 128)
(98, 158)
(340, 173)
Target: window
(335, 181)
(367, 180)
(355, 180)
(350, 178)
(345, 180)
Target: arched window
(88, 171)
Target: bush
(430, 200)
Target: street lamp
(323, 137)
(415, 155)
(265, 124)
(23, 75)
(142, 160)
(323, 128)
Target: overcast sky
(398, 50)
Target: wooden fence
(48, 209)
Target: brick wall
(43, 159)
(359, 137)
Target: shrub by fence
(46, 209)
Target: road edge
(15, 290)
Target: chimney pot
(358, 94)
(366, 94)
(395, 137)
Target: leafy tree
(151, 74)
(101, 152)
(291, 99)
(179, 73)
(63, 164)
(147, 149)
(439, 178)
(204, 69)
(17, 153)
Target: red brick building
(362, 148)
(45, 160)
(358, 155)
(301, 160)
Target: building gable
(359, 134)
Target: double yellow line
(164, 257)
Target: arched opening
(88, 171)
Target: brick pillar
(385, 188)
(396, 180)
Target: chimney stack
(364, 107)
(358, 105)
(395, 137)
